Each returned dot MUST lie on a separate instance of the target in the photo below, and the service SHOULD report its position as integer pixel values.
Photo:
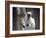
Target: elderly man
(29, 23)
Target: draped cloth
(21, 21)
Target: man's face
(28, 15)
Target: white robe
(31, 23)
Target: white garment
(31, 23)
